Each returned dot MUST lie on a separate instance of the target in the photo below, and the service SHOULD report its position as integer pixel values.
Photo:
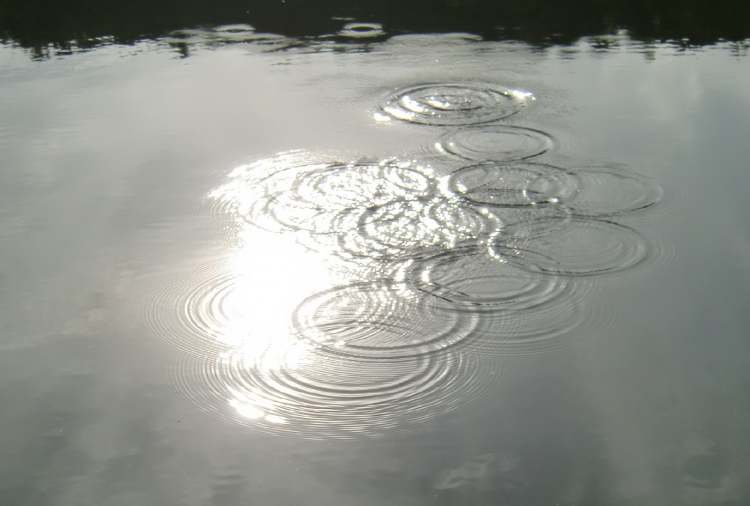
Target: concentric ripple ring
(584, 247)
(455, 103)
(307, 392)
(513, 185)
(606, 192)
(502, 143)
(379, 321)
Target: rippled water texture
(452, 265)
(508, 185)
(585, 247)
(307, 392)
(377, 256)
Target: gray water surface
(357, 269)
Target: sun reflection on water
(273, 274)
(318, 342)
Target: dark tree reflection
(38, 24)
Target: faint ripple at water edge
(307, 392)
(222, 35)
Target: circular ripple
(285, 212)
(251, 186)
(515, 306)
(583, 247)
(456, 222)
(301, 390)
(280, 212)
(609, 192)
(455, 103)
(239, 300)
(320, 200)
(236, 28)
(209, 317)
(466, 278)
(405, 229)
(379, 321)
(363, 184)
(405, 219)
(509, 185)
(362, 30)
(319, 197)
(533, 221)
(496, 143)
(358, 265)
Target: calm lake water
(371, 267)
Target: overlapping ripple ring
(455, 103)
(516, 307)
(358, 265)
(502, 143)
(363, 184)
(509, 185)
(606, 192)
(378, 320)
(246, 194)
(404, 229)
(312, 394)
(456, 222)
(404, 218)
(583, 247)
(467, 279)
(547, 327)
(533, 221)
(319, 197)
(279, 212)
(284, 212)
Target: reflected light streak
(358, 357)
(273, 274)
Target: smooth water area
(239, 267)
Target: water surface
(366, 264)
